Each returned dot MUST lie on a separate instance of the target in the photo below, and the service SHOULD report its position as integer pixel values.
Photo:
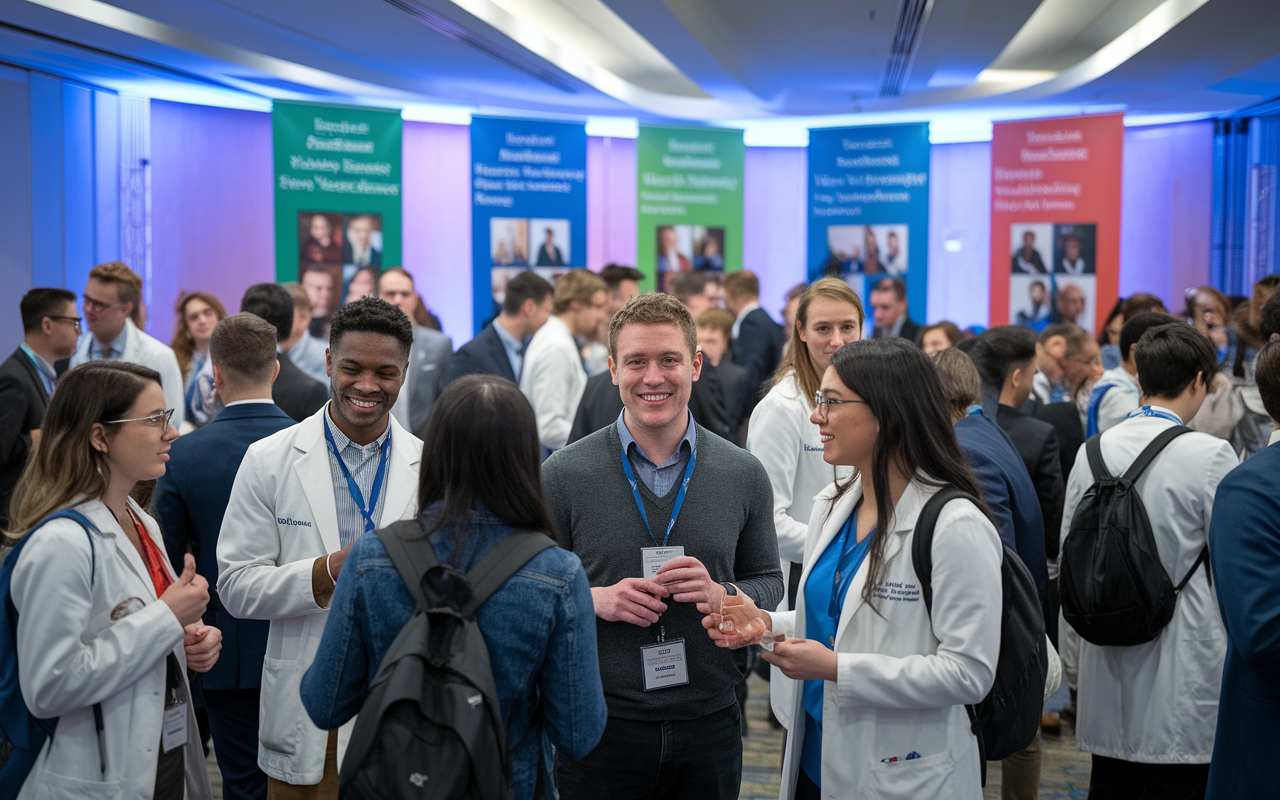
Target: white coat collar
(906, 512)
(312, 469)
(101, 516)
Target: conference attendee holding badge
(301, 498)
(668, 519)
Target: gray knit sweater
(726, 523)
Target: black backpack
(1006, 720)
(1114, 589)
(431, 726)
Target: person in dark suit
(428, 358)
(1244, 549)
(1006, 483)
(715, 329)
(189, 504)
(294, 392)
(499, 348)
(1065, 419)
(757, 339)
(549, 255)
(50, 328)
(889, 308)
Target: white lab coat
(790, 448)
(903, 679)
(1157, 703)
(280, 518)
(1121, 399)
(142, 348)
(71, 655)
(553, 379)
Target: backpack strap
(922, 541)
(505, 559)
(1152, 450)
(1093, 449)
(411, 562)
(1203, 558)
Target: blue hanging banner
(528, 204)
(869, 208)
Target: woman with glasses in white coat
(828, 315)
(105, 630)
(881, 713)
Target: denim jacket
(539, 626)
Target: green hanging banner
(689, 208)
(337, 179)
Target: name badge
(652, 559)
(175, 727)
(664, 665)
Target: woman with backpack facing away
(479, 483)
(105, 630)
(880, 712)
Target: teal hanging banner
(869, 208)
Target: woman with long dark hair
(479, 481)
(198, 314)
(881, 711)
(106, 631)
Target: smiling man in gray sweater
(667, 517)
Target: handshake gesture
(738, 623)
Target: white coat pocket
(929, 777)
(63, 787)
(279, 733)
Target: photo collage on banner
(337, 200)
(869, 208)
(1055, 220)
(529, 204)
(689, 208)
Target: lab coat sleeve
(59, 668)
(1215, 469)
(252, 584)
(775, 439)
(966, 621)
(784, 622)
(550, 388)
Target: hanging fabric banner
(1055, 220)
(528, 204)
(869, 208)
(689, 205)
(337, 186)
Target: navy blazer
(484, 354)
(1008, 490)
(1244, 549)
(758, 349)
(188, 505)
(23, 401)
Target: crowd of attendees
(771, 476)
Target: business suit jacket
(1008, 490)
(23, 401)
(428, 373)
(189, 504)
(600, 405)
(736, 389)
(1244, 548)
(297, 394)
(1065, 419)
(758, 349)
(1037, 444)
(483, 354)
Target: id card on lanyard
(663, 664)
(357, 496)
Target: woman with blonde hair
(828, 315)
(198, 314)
(105, 631)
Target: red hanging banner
(1055, 220)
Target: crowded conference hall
(603, 400)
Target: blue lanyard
(1152, 411)
(675, 510)
(841, 580)
(353, 487)
(974, 410)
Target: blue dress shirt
(660, 478)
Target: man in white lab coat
(553, 377)
(1148, 712)
(300, 500)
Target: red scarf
(152, 557)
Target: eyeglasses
(96, 305)
(821, 400)
(75, 321)
(160, 420)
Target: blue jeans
(697, 759)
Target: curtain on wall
(1246, 150)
